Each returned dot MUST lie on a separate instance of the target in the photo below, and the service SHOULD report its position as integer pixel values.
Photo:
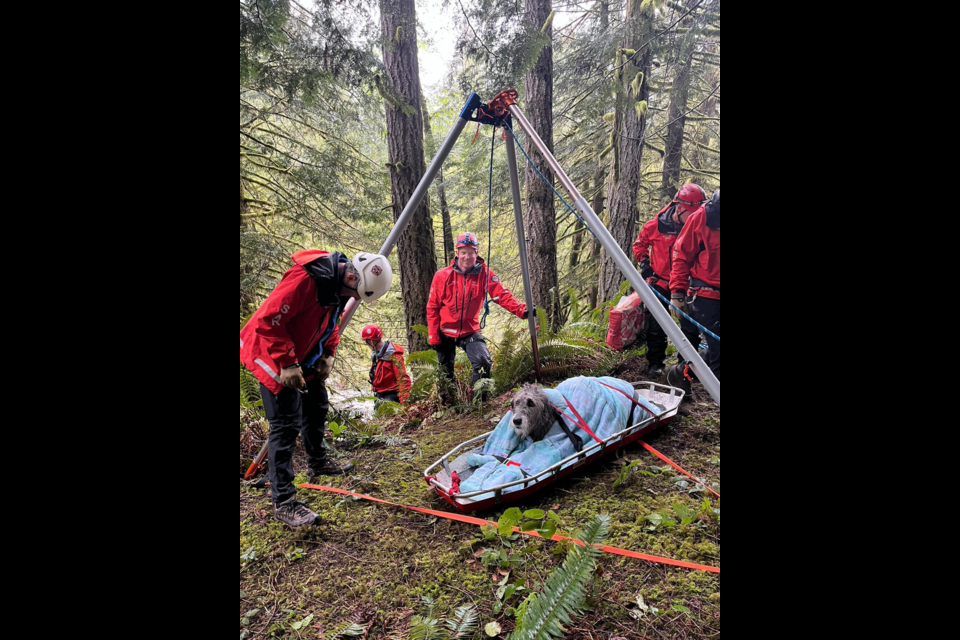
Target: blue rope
(486, 294)
(547, 182)
(698, 325)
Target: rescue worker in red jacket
(289, 344)
(456, 297)
(654, 251)
(696, 271)
(388, 375)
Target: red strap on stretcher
(579, 421)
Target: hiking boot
(329, 468)
(295, 514)
(655, 371)
(675, 378)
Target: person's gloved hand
(526, 312)
(292, 378)
(646, 271)
(680, 302)
(324, 367)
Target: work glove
(292, 377)
(646, 271)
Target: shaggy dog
(534, 415)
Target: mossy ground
(373, 564)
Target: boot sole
(315, 522)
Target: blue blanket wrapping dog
(507, 457)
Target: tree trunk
(599, 201)
(677, 114)
(599, 178)
(578, 238)
(541, 215)
(629, 131)
(678, 121)
(401, 92)
(448, 248)
(449, 251)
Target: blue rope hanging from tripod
(486, 292)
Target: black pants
(706, 311)
(386, 396)
(657, 337)
(291, 413)
(476, 348)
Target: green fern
(428, 357)
(565, 592)
(388, 408)
(249, 391)
(509, 360)
(545, 327)
(425, 367)
(574, 305)
(347, 629)
(464, 622)
(586, 329)
(483, 384)
(576, 348)
(624, 287)
(506, 348)
(427, 629)
(422, 330)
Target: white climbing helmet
(376, 275)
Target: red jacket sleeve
(433, 307)
(502, 296)
(641, 248)
(685, 253)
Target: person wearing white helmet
(375, 275)
(289, 344)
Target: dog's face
(532, 417)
